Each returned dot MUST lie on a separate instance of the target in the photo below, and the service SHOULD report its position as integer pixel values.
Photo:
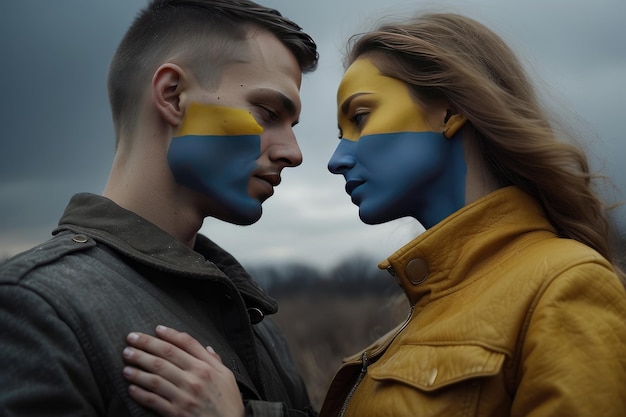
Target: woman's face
(392, 154)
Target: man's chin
(243, 216)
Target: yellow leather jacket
(507, 319)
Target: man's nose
(286, 151)
(343, 158)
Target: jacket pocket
(432, 367)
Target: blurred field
(329, 315)
(323, 330)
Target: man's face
(395, 161)
(258, 103)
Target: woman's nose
(343, 158)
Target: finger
(187, 343)
(212, 352)
(152, 401)
(162, 349)
(153, 384)
(193, 397)
(154, 365)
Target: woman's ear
(453, 122)
(167, 86)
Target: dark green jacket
(67, 305)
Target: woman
(517, 301)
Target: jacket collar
(441, 259)
(141, 240)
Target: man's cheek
(211, 120)
(208, 163)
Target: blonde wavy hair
(450, 57)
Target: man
(204, 97)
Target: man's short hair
(181, 28)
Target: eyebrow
(346, 104)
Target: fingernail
(127, 352)
(210, 349)
(161, 328)
(128, 371)
(132, 337)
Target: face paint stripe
(385, 103)
(223, 139)
(203, 119)
(394, 135)
(215, 154)
(343, 157)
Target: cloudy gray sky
(57, 136)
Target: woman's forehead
(364, 77)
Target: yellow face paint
(384, 102)
(202, 119)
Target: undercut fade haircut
(197, 32)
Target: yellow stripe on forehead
(386, 100)
(208, 119)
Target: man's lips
(273, 178)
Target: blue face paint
(215, 154)
(393, 175)
(393, 163)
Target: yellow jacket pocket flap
(428, 367)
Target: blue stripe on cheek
(417, 174)
(217, 166)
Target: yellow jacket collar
(438, 261)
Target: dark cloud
(57, 135)
(58, 138)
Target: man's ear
(453, 123)
(167, 86)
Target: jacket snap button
(80, 238)
(433, 376)
(256, 315)
(417, 271)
